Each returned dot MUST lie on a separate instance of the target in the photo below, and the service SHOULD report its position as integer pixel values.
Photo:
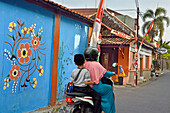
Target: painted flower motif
(33, 25)
(40, 31)
(34, 82)
(24, 53)
(15, 73)
(25, 30)
(31, 29)
(6, 80)
(41, 71)
(4, 87)
(6, 84)
(11, 26)
(35, 42)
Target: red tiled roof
(86, 11)
(90, 11)
(56, 8)
(116, 40)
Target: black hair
(91, 54)
(79, 59)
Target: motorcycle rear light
(69, 100)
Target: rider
(97, 71)
(83, 81)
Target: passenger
(97, 71)
(81, 79)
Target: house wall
(166, 63)
(146, 72)
(131, 77)
(131, 68)
(124, 61)
(73, 40)
(25, 79)
(142, 71)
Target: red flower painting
(15, 73)
(35, 42)
(24, 53)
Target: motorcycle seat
(78, 94)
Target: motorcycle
(80, 102)
(77, 103)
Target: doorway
(108, 56)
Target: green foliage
(148, 38)
(159, 17)
(11, 36)
(168, 65)
(167, 46)
(165, 56)
(40, 37)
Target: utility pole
(137, 44)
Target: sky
(126, 7)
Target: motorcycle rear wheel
(88, 110)
(77, 110)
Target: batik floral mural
(26, 49)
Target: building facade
(120, 46)
(39, 40)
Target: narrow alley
(152, 97)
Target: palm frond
(145, 26)
(168, 42)
(149, 11)
(160, 11)
(167, 20)
(149, 14)
(158, 41)
(160, 26)
(163, 18)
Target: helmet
(91, 54)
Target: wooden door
(108, 57)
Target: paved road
(151, 97)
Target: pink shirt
(96, 70)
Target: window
(147, 62)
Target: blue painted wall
(73, 40)
(19, 91)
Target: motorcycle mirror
(114, 64)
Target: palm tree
(166, 45)
(159, 17)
